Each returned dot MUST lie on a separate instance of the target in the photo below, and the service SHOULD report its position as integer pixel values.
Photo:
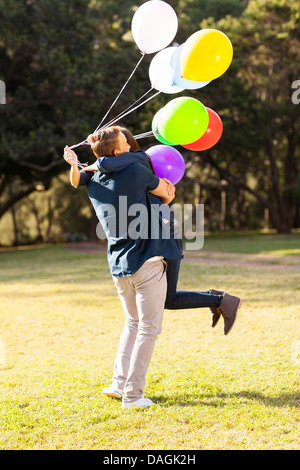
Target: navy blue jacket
(131, 217)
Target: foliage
(261, 124)
(59, 61)
(64, 62)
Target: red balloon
(211, 135)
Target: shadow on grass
(224, 399)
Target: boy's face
(122, 145)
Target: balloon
(183, 120)
(161, 73)
(180, 81)
(154, 26)
(157, 135)
(212, 134)
(206, 55)
(167, 162)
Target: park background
(63, 63)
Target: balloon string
(142, 136)
(120, 115)
(85, 142)
(123, 114)
(121, 91)
(81, 165)
(131, 110)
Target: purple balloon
(167, 162)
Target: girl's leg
(176, 300)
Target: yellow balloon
(206, 55)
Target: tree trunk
(14, 198)
(36, 214)
(223, 206)
(277, 212)
(93, 226)
(49, 218)
(281, 219)
(290, 175)
(3, 183)
(14, 218)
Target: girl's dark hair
(134, 146)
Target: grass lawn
(60, 324)
(268, 244)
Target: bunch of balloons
(204, 57)
(186, 121)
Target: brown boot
(228, 308)
(215, 317)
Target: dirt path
(209, 257)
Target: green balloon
(156, 134)
(183, 120)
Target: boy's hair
(104, 142)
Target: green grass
(60, 324)
(255, 243)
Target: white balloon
(161, 73)
(154, 26)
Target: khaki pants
(143, 297)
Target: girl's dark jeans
(176, 300)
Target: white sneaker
(140, 403)
(112, 392)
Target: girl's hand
(171, 188)
(70, 156)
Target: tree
(62, 64)
(259, 150)
(40, 65)
(64, 61)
